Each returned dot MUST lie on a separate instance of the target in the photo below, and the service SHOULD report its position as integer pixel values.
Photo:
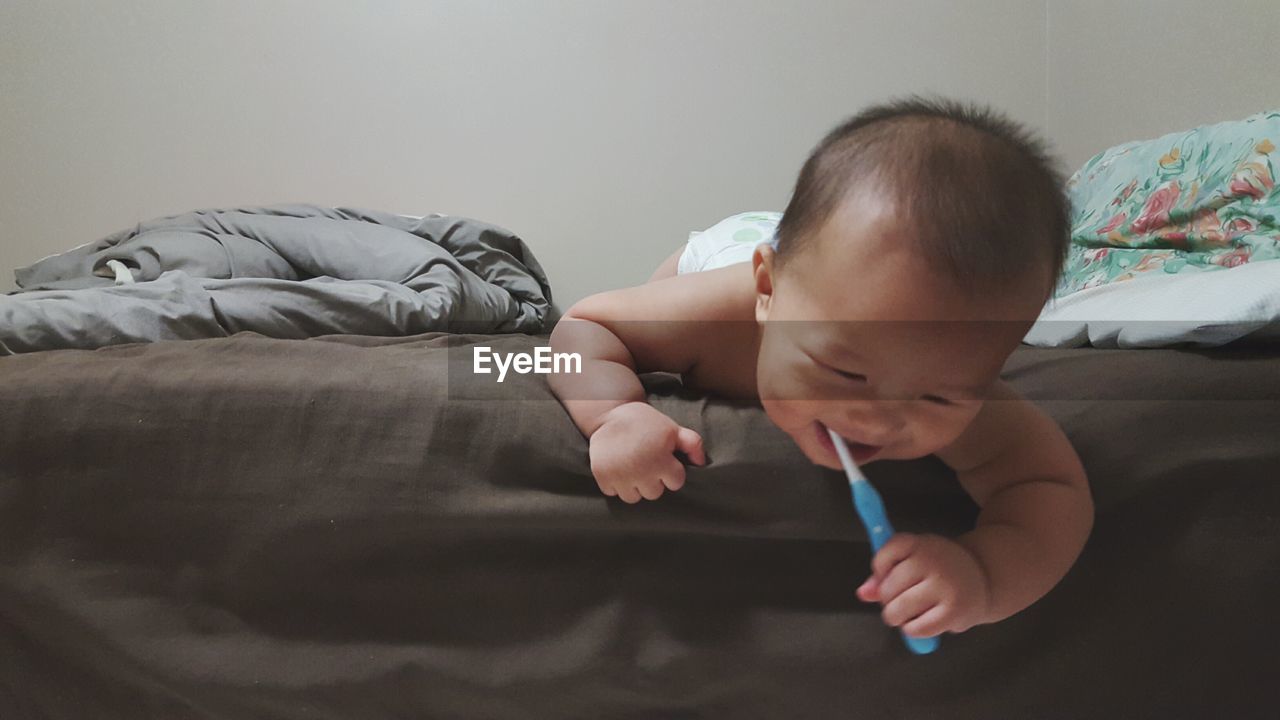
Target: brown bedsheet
(256, 528)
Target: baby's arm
(660, 326)
(1036, 513)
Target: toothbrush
(871, 509)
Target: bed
(207, 513)
(359, 527)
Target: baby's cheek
(784, 413)
(938, 432)
(789, 388)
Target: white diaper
(729, 241)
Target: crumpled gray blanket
(287, 271)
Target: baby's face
(861, 336)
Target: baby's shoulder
(680, 322)
(725, 293)
(713, 313)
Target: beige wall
(600, 130)
(1124, 70)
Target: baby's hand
(927, 585)
(632, 453)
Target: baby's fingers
(650, 489)
(869, 590)
(650, 482)
(899, 548)
(933, 622)
(673, 475)
(689, 442)
(911, 604)
(902, 577)
(628, 494)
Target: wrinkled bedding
(1197, 201)
(289, 271)
(255, 528)
(1174, 240)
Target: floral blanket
(1193, 201)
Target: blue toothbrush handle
(871, 509)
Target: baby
(921, 242)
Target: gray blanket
(290, 271)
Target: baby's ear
(762, 266)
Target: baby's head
(921, 242)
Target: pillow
(1158, 309)
(1194, 201)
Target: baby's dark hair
(979, 193)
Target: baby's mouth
(861, 452)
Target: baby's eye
(936, 400)
(851, 375)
